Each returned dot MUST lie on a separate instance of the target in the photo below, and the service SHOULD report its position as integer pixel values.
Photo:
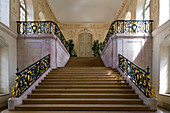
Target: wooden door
(85, 45)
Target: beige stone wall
(131, 5)
(161, 42)
(8, 56)
(127, 5)
(72, 31)
(43, 6)
(155, 13)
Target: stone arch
(4, 70)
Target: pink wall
(33, 47)
(135, 47)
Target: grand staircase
(84, 84)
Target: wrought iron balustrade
(41, 27)
(26, 77)
(128, 26)
(137, 75)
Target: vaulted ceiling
(77, 11)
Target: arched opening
(85, 45)
(4, 80)
(164, 77)
(30, 10)
(41, 16)
(139, 9)
(4, 12)
(128, 16)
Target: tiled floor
(160, 110)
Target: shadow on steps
(85, 62)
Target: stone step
(83, 80)
(85, 62)
(82, 107)
(82, 101)
(83, 68)
(119, 91)
(81, 74)
(82, 77)
(83, 83)
(82, 87)
(83, 95)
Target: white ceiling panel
(76, 11)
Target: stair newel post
(17, 69)
(147, 69)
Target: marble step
(83, 80)
(83, 95)
(112, 91)
(82, 101)
(82, 87)
(81, 107)
(83, 83)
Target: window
(164, 11)
(140, 9)
(147, 10)
(4, 12)
(22, 10)
(41, 16)
(128, 16)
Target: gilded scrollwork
(40, 27)
(137, 75)
(29, 75)
(128, 26)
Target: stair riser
(82, 77)
(83, 71)
(86, 79)
(119, 92)
(81, 108)
(79, 80)
(86, 75)
(39, 87)
(86, 83)
(80, 69)
(82, 102)
(84, 96)
(107, 73)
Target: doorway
(85, 45)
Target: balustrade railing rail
(29, 75)
(41, 27)
(128, 26)
(137, 75)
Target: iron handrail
(137, 75)
(128, 26)
(41, 27)
(26, 77)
